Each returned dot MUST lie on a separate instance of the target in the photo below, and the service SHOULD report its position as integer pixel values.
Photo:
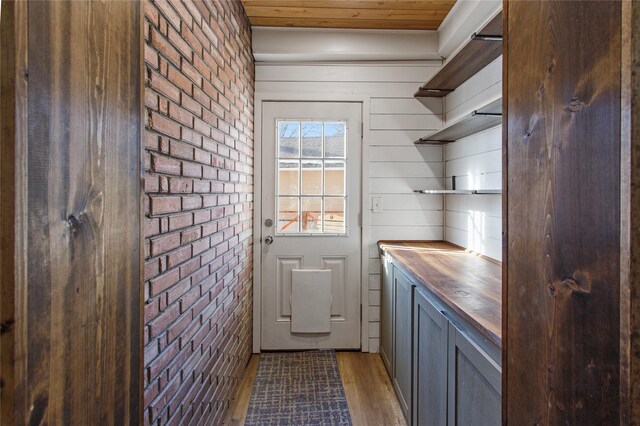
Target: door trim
(365, 101)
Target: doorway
(310, 221)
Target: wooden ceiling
(357, 14)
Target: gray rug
(298, 388)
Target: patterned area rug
(298, 388)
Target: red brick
(168, 12)
(165, 48)
(181, 150)
(160, 284)
(192, 202)
(201, 186)
(188, 267)
(180, 44)
(180, 185)
(151, 56)
(191, 105)
(192, 73)
(180, 80)
(164, 125)
(190, 235)
(166, 165)
(177, 257)
(191, 170)
(164, 244)
(177, 291)
(151, 269)
(181, 115)
(199, 97)
(160, 205)
(183, 12)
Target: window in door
(311, 177)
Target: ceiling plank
(439, 5)
(356, 14)
(345, 23)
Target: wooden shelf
(475, 122)
(458, 191)
(474, 56)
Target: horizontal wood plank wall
(198, 208)
(76, 282)
(397, 166)
(475, 221)
(563, 273)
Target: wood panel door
(71, 211)
(562, 176)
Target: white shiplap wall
(396, 165)
(475, 221)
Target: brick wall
(198, 203)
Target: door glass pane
(288, 172)
(334, 182)
(334, 215)
(288, 215)
(288, 139)
(334, 140)
(311, 216)
(311, 177)
(311, 139)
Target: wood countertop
(470, 284)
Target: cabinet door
(430, 338)
(474, 383)
(386, 315)
(402, 339)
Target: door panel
(430, 333)
(338, 267)
(402, 334)
(475, 389)
(311, 179)
(283, 278)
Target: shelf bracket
(486, 114)
(486, 37)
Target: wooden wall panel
(76, 330)
(630, 217)
(562, 301)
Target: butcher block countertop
(469, 284)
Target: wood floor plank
(367, 387)
(241, 401)
(370, 395)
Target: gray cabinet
(444, 371)
(430, 350)
(402, 340)
(386, 314)
(474, 383)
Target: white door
(310, 218)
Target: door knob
(268, 240)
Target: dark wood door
(430, 353)
(562, 247)
(71, 197)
